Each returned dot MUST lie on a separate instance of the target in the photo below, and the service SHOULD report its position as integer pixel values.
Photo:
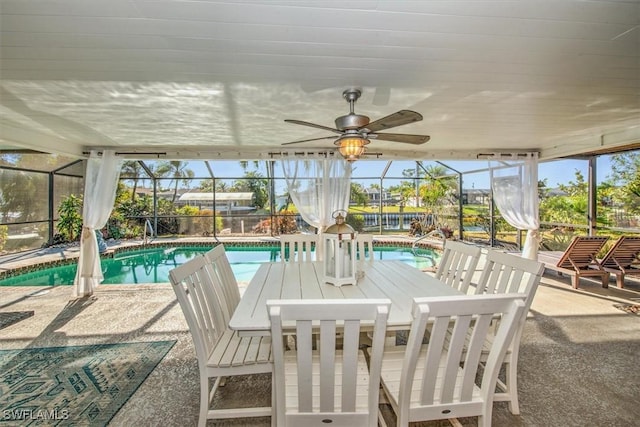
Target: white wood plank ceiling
(216, 79)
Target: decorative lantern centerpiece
(340, 252)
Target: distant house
(388, 198)
(476, 196)
(224, 202)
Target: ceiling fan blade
(307, 140)
(401, 137)
(313, 125)
(399, 118)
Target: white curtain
(318, 188)
(515, 192)
(100, 184)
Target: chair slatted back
(219, 350)
(297, 247)
(509, 274)
(448, 365)
(220, 266)
(200, 303)
(330, 381)
(505, 273)
(457, 265)
(364, 247)
(624, 253)
(582, 252)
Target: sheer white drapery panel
(318, 188)
(515, 192)
(101, 182)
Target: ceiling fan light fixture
(351, 147)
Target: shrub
(70, 221)
(285, 223)
(4, 233)
(203, 223)
(356, 221)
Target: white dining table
(394, 280)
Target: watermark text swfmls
(40, 414)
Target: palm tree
(222, 187)
(437, 186)
(178, 171)
(131, 169)
(358, 194)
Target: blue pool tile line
(11, 272)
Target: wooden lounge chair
(579, 260)
(623, 258)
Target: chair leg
(620, 280)
(605, 280)
(274, 421)
(484, 421)
(575, 280)
(206, 394)
(511, 371)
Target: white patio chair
(457, 265)
(329, 385)
(504, 273)
(364, 247)
(298, 247)
(219, 350)
(438, 380)
(217, 258)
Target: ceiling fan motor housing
(351, 121)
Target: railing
(147, 226)
(438, 232)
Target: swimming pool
(153, 265)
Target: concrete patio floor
(578, 360)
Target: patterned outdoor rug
(78, 385)
(8, 318)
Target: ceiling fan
(355, 130)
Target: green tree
(4, 233)
(543, 189)
(132, 170)
(356, 221)
(254, 182)
(178, 171)
(569, 208)
(358, 194)
(437, 188)
(70, 217)
(206, 186)
(625, 174)
(406, 189)
(21, 194)
(577, 188)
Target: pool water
(153, 265)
